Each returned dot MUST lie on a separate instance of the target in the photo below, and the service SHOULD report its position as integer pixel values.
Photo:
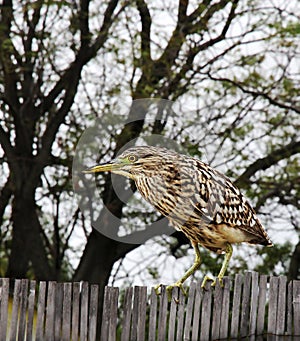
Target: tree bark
(294, 268)
(27, 243)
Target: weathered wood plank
(152, 316)
(58, 311)
(93, 312)
(234, 330)
(84, 304)
(109, 315)
(197, 311)
(127, 316)
(23, 309)
(281, 306)
(162, 315)
(253, 305)
(135, 314)
(245, 310)
(113, 314)
(272, 311)
(206, 312)
(262, 296)
(189, 312)
(217, 309)
(41, 311)
(4, 294)
(49, 329)
(30, 311)
(180, 316)
(75, 311)
(224, 323)
(296, 307)
(172, 316)
(66, 312)
(289, 311)
(142, 307)
(15, 311)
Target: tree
(233, 61)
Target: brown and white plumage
(197, 199)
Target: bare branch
(263, 163)
(145, 33)
(5, 143)
(257, 93)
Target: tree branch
(145, 33)
(5, 195)
(256, 93)
(5, 144)
(70, 80)
(262, 164)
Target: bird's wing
(223, 203)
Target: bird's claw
(169, 289)
(214, 281)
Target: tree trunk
(294, 268)
(27, 243)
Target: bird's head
(136, 161)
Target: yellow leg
(228, 254)
(189, 272)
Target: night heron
(196, 198)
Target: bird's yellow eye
(132, 158)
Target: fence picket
(225, 309)
(172, 316)
(180, 316)
(281, 306)
(41, 311)
(93, 312)
(126, 321)
(245, 310)
(152, 316)
(162, 314)
(4, 292)
(113, 314)
(197, 311)
(262, 296)
(75, 311)
(236, 306)
(206, 312)
(296, 307)
(58, 311)
(15, 311)
(253, 305)
(66, 311)
(189, 312)
(50, 316)
(217, 309)
(272, 311)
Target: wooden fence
(251, 307)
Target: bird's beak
(105, 167)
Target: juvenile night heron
(197, 200)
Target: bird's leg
(228, 254)
(188, 273)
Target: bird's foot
(169, 289)
(214, 281)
